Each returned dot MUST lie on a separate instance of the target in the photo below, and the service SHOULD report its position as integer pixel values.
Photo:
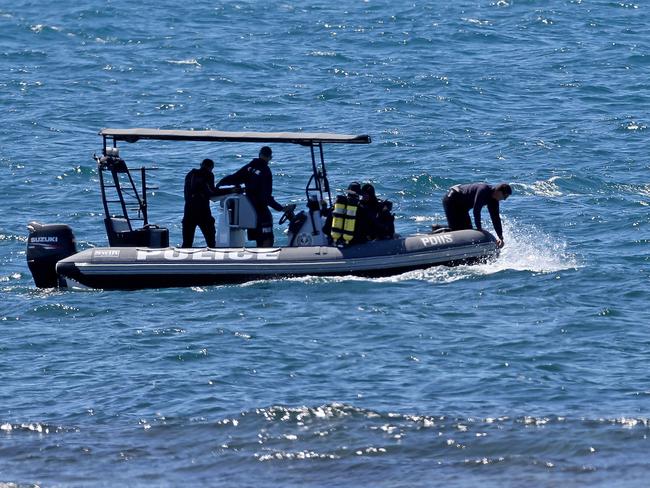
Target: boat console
(234, 216)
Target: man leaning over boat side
(460, 199)
(199, 187)
(257, 178)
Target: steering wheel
(287, 214)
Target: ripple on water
(526, 370)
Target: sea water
(531, 370)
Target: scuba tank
(339, 217)
(350, 218)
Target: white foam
(529, 249)
(190, 61)
(545, 188)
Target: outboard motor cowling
(47, 244)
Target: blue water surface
(529, 370)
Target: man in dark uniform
(199, 187)
(258, 180)
(460, 199)
(376, 220)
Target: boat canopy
(317, 186)
(302, 138)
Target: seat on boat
(120, 233)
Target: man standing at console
(460, 199)
(199, 187)
(258, 180)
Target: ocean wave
(189, 61)
(545, 188)
(34, 427)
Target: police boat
(138, 254)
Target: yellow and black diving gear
(344, 216)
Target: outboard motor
(47, 244)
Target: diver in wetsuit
(199, 187)
(460, 199)
(380, 223)
(256, 176)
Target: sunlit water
(531, 369)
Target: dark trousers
(205, 222)
(457, 216)
(263, 233)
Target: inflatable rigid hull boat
(132, 268)
(138, 254)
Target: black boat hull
(134, 268)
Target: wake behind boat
(139, 255)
